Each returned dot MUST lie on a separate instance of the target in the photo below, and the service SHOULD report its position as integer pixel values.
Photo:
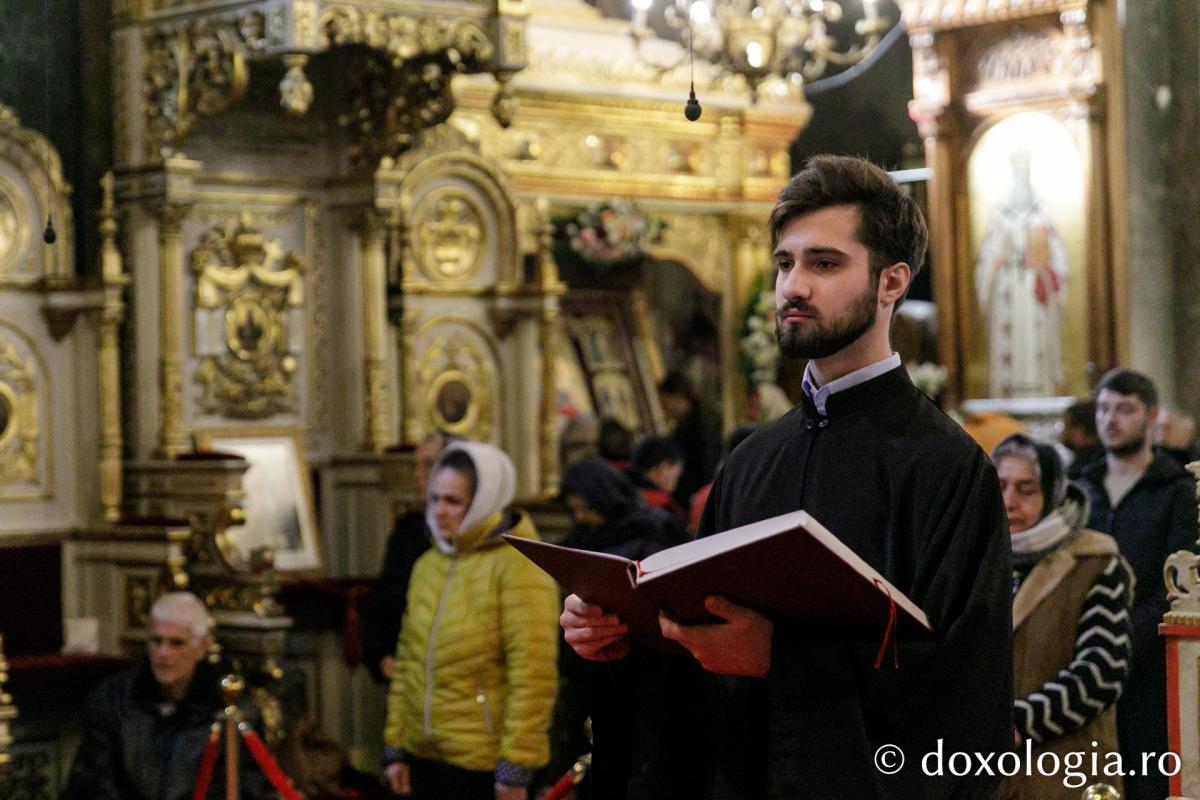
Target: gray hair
(1019, 447)
(182, 608)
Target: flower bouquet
(608, 235)
(758, 346)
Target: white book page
(700, 549)
(684, 554)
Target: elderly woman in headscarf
(475, 675)
(1072, 592)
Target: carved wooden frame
(952, 106)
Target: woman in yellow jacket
(475, 676)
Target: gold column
(112, 315)
(934, 60)
(405, 319)
(748, 252)
(373, 233)
(548, 337)
(409, 323)
(552, 290)
(172, 436)
(8, 711)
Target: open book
(788, 568)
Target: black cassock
(900, 483)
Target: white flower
(928, 377)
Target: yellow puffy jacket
(476, 672)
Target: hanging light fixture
(793, 40)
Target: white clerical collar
(820, 394)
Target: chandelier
(757, 39)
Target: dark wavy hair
(891, 225)
(1129, 382)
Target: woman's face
(1023, 498)
(449, 497)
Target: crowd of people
(1038, 564)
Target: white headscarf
(495, 483)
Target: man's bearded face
(1123, 422)
(817, 335)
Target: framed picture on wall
(1028, 280)
(612, 357)
(278, 502)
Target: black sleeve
(963, 582)
(710, 522)
(93, 773)
(958, 685)
(1185, 522)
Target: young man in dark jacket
(1145, 501)
(145, 730)
(794, 714)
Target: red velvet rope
(566, 784)
(267, 765)
(207, 761)
(352, 650)
(561, 789)
(889, 633)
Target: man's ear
(893, 283)
(1152, 415)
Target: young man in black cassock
(874, 460)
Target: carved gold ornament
(249, 326)
(195, 70)
(455, 389)
(402, 86)
(14, 226)
(450, 235)
(922, 15)
(19, 418)
(32, 189)
(404, 36)
(295, 90)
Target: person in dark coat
(900, 484)
(657, 465)
(610, 517)
(383, 608)
(1080, 437)
(697, 431)
(1147, 502)
(145, 730)
(615, 443)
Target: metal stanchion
(231, 690)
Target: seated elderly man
(144, 730)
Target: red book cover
(788, 568)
